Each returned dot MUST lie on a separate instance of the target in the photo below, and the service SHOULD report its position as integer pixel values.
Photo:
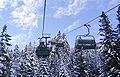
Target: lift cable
(93, 19)
(44, 18)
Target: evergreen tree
(110, 62)
(28, 62)
(4, 53)
(15, 61)
(60, 57)
(91, 62)
(118, 27)
(78, 64)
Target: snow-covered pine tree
(90, 62)
(30, 58)
(66, 44)
(115, 54)
(118, 28)
(109, 63)
(4, 55)
(54, 57)
(59, 57)
(22, 64)
(28, 62)
(64, 55)
(15, 61)
(78, 64)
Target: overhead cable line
(93, 19)
(44, 18)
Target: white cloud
(3, 3)
(22, 38)
(15, 3)
(26, 15)
(73, 8)
(73, 26)
(17, 38)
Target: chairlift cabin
(43, 50)
(57, 44)
(60, 44)
(82, 43)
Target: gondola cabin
(59, 44)
(43, 50)
(85, 43)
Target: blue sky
(24, 18)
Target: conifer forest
(55, 58)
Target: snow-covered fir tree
(60, 57)
(4, 53)
(110, 63)
(118, 28)
(15, 61)
(28, 61)
(77, 65)
(91, 61)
